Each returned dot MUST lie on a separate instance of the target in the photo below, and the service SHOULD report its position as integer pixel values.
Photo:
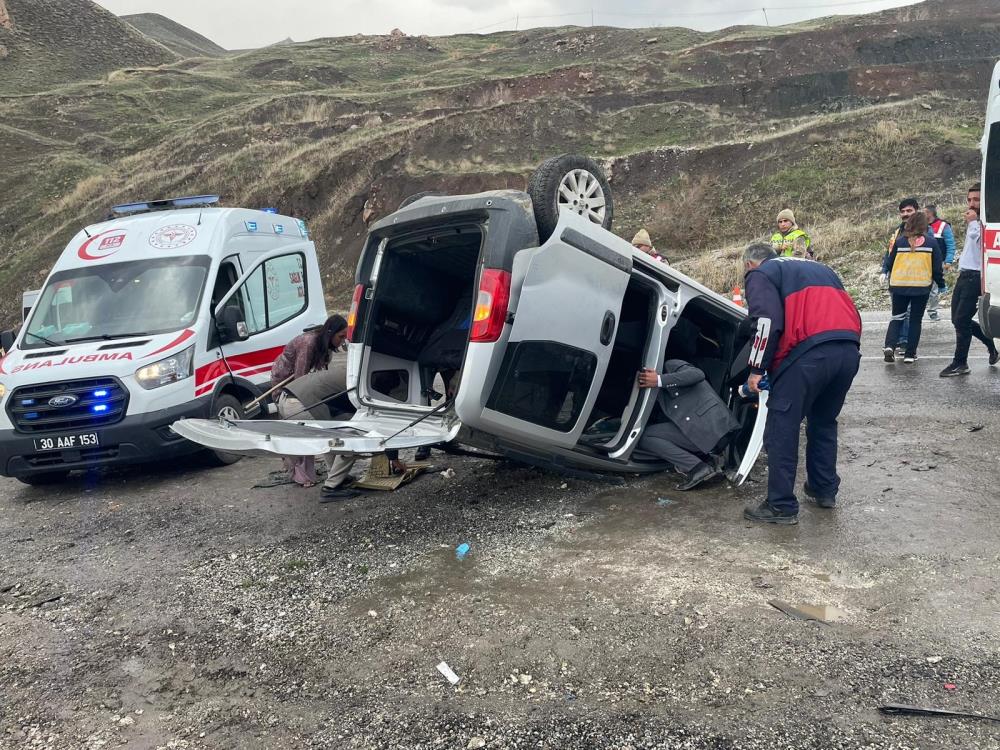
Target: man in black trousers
(692, 421)
(968, 288)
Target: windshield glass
(117, 300)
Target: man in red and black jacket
(808, 342)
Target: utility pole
(764, 11)
(517, 19)
(591, 15)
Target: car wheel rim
(230, 413)
(581, 192)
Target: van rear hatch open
(362, 434)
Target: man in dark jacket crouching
(691, 420)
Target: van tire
(45, 479)
(554, 173)
(417, 196)
(231, 407)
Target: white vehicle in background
(538, 317)
(28, 300)
(989, 212)
(174, 308)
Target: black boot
(823, 501)
(764, 513)
(696, 476)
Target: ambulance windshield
(138, 298)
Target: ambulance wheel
(229, 407)
(46, 479)
(573, 182)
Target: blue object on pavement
(462, 550)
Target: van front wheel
(226, 407)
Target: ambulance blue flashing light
(270, 210)
(191, 201)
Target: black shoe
(820, 500)
(889, 354)
(336, 494)
(954, 370)
(700, 473)
(764, 513)
(994, 357)
(423, 453)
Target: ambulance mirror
(233, 326)
(7, 340)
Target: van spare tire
(417, 196)
(573, 182)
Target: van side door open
(561, 339)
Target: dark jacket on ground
(797, 304)
(687, 400)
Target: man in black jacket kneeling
(689, 422)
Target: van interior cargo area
(421, 314)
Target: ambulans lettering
(75, 360)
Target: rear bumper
(989, 317)
(136, 439)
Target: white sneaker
(909, 359)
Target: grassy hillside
(181, 40)
(705, 136)
(51, 42)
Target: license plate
(66, 442)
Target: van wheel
(417, 196)
(45, 479)
(229, 407)
(573, 182)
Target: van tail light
(491, 305)
(352, 316)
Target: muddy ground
(180, 608)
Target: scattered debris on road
(898, 709)
(444, 669)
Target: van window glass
(991, 190)
(544, 382)
(117, 300)
(251, 298)
(286, 288)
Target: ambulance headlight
(166, 371)
(3, 391)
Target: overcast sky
(238, 24)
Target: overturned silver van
(516, 322)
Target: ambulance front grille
(87, 404)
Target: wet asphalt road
(179, 607)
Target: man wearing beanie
(789, 240)
(644, 243)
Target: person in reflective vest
(912, 268)
(789, 240)
(945, 239)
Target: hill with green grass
(705, 136)
(180, 39)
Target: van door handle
(607, 328)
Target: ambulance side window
(251, 299)
(991, 190)
(285, 277)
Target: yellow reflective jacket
(784, 244)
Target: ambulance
(989, 212)
(170, 309)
